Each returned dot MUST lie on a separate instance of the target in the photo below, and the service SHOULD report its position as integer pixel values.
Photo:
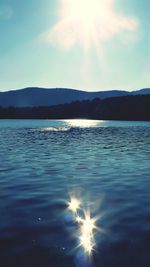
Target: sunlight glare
(87, 229)
(78, 219)
(86, 243)
(82, 123)
(88, 23)
(74, 204)
(88, 224)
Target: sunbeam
(88, 23)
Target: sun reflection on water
(82, 123)
(86, 226)
(74, 204)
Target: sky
(90, 45)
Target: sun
(88, 23)
(86, 11)
(83, 19)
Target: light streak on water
(86, 242)
(83, 123)
(88, 223)
(86, 226)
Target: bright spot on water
(78, 219)
(86, 243)
(82, 123)
(86, 225)
(74, 204)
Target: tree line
(115, 108)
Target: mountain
(144, 91)
(38, 97)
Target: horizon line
(70, 88)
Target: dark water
(105, 164)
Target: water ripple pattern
(42, 162)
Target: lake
(44, 164)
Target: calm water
(105, 164)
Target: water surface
(106, 164)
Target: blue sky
(34, 50)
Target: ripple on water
(41, 165)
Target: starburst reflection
(74, 204)
(86, 243)
(86, 226)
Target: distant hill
(38, 97)
(129, 107)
